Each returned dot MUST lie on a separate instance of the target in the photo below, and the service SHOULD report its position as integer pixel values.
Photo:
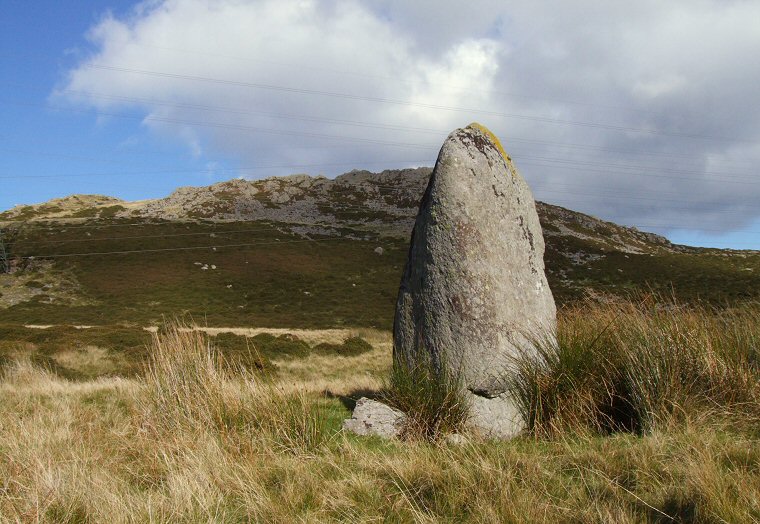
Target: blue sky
(40, 42)
(645, 116)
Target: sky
(644, 113)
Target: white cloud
(674, 68)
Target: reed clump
(642, 366)
(190, 386)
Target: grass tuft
(190, 386)
(433, 399)
(641, 367)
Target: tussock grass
(350, 347)
(432, 398)
(78, 354)
(641, 367)
(200, 439)
(189, 385)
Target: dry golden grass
(197, 440)
(642, 366)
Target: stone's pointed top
(493, 138)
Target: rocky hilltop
(386, 202)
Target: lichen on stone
(492, 137)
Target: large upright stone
(474, 294)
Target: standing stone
(474, 294)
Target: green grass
(280, 283)
(350, 347)
(692, 276)
(285, 282)
(83, 354)
(78, 354)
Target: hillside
(302, 251)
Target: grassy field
(274, 277)
(280, 280)
(640, 413)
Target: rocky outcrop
(474, 295)
(371, 417)
(385, 202)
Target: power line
(363, 140)
(561, 163)
(300, 67)
(236, 127)
(384, 77)
(206, 170)
(325, 208)
(438, 132)
(170, 235)
(189, 248)
(274, 227)
(571, 167)
(349, 96)
(215, 247)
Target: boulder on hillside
(474, 295)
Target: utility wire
(437, 132)
(188, 248)
(363, 140)
(207, 170)
(222, 246)
(561, 163)
(275, 228)
(236, 127)
(41, 56)
(169, 235)
(350, 96)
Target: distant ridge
(386, 202)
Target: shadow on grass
(349, 400)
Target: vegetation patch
(191, 386)
(277, 279)
(282, 346)
(202, 439)
(288, 346)
(98, 212)
(351, 347)
(642, 367)
(432, 398)
(78, 353)
(243, 351)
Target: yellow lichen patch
(483, 129)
